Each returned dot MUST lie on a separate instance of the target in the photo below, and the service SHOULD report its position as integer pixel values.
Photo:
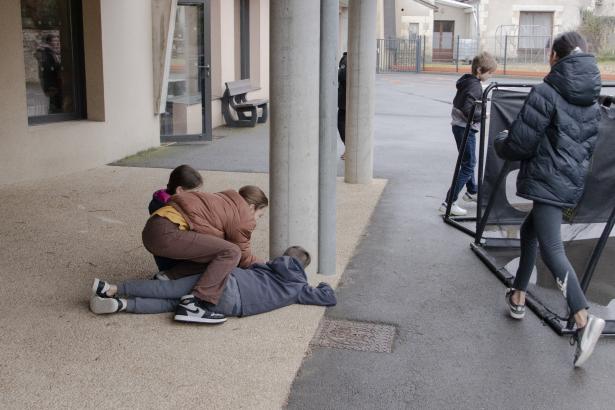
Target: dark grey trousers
(158, 296)
(543, 227)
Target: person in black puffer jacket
(554, 136)
(341, 98)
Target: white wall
(462, 19)
(126, 81)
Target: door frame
(443, 54)
(204, 65)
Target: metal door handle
(206, 67)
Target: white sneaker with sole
(102, 306)
(456, 210)
(586, 339)
(160, 276)
(468, 197)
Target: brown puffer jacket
(224, 214)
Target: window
(535, 30)
(53, 54)
(413, 31)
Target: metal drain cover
(361, 336)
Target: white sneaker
(586, 339)
(456, 210)
(160, 276)
(102, 306)
(468, 197)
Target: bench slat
(251, 103)
(239, 87)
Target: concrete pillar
(294, 93)
(360, 86)
(329, 29)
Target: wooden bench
(246, 111)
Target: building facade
(90, 82)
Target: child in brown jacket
(211, 233)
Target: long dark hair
(567, 42)
(184, 176)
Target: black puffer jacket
(555, 133)
(469, 90)
(341, 82)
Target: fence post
(423, 50)
(505, 52)
(417, 50)
(457, 59)
(378, 56)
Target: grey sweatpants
(543, 227)
(158, 296)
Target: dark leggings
(543, 227)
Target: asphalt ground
(456, 347)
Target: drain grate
(352, 335)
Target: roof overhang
(453, 3)
(427, 4)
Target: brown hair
(184, 176)
(484, 62)
(300, 254)
(253, 195)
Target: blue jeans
(158, 296)
(468, 163)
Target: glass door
(187, 113)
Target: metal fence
(513, 52)
(398, 55)
(527, 53)
(523, 55)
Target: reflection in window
(52, 56)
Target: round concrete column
(293, 147)
(360, 85)
(329, 32)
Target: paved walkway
(456, 348)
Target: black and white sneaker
(516, 311)
(193, 310)
(100, 288)
(586, 339)
(105, 305)
(160, 276)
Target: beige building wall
(419, 14)
(461, 18)
(566, 14)
(119, 87)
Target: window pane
(48, 55)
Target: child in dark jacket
(554, 137)
(469, 90)
(184, 178)
(258, 289)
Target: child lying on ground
(258, 289)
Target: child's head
(183, 178)
(566, 44)
(300, 254)
(483, 66)
(256, 199)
